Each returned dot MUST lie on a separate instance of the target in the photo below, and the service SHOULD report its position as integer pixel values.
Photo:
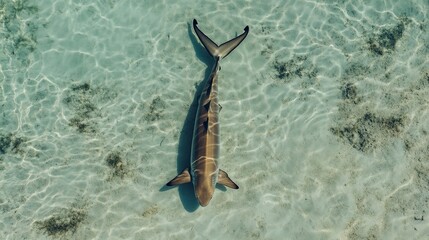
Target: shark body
(205, 172)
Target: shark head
(204, 191)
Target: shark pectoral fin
(225, 180)
(184, 177)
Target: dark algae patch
(281, 70)
(349, 93)
(5, 142)
(20, 37)
(386, 40)
(298, 66)
(366, 120)
(82, 99)
(364, 134)
(84, 87)
(60, 224)
(156, 109)
(11, 143)
(117, 164)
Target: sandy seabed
(324, 119)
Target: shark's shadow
(186, 191)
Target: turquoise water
(324, 121)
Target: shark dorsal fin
(207, 105)
(206, 124)
(224, 179)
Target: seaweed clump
(386, 40)
(150, 212)
(366, 133)
(62, 223)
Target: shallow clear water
(324, 121)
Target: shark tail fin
(183, 177)
(225, 48)
(224, 179)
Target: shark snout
(204, 196)
(204, 200)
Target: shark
(204, 172)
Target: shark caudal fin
(184, 177)
(224, 179)
(225, 48)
